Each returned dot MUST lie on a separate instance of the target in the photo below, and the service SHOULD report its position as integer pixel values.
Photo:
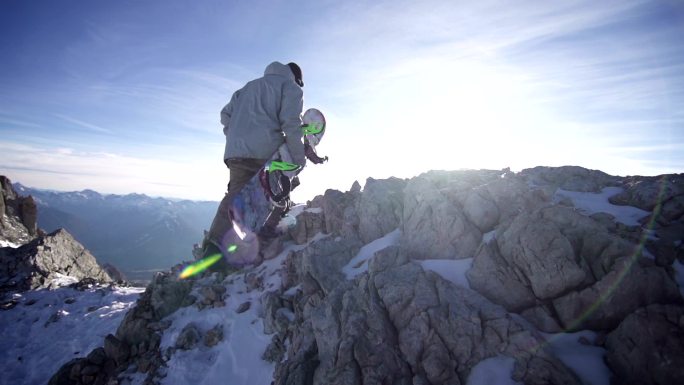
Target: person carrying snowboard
(260, 117)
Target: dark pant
(241, 171)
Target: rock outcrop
(18, 215)
(540, 263)
(38, 260)
(648, 346)
(46, 260)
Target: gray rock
(648, 347)
(37, 263)
(480, 209)
(243, 307)
(97, 357)
(500, 280)
(18, 215)
(628, 287)
(434, 227)
(275, 351)
(340, 213)
(188, 337)
(322, 262)
(214, 336)
(647, 192)
(544, 256)
(116, 349)
(400, 321)
(308, 225)
(380, 207)
(570, 178)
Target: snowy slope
(47, 328)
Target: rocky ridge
(33, 259)
(540, 263)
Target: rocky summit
(432, 280)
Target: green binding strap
(312, 128)
(281, 166)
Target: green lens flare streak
(281, 166)
(312, 128)
(203, 264)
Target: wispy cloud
(82, 124)
(68, 169)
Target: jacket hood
(278, 68)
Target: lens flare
(620, 273)
(203, 264)
(199, 266)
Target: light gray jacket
(264, 114)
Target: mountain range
(136, 233)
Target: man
(259, 118)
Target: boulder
(340, 214)
(630, 285)
(645, 192)
(433, 226)
(648, 347)
(545, 258)
(499, 280)
(309, 223)
(380, 207)
(480, 209)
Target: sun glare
(458, 115)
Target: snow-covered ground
(48, 328)
(591, 203)
(237, 358)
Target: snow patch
(451, 270)
(8, 244)
(592, 203)
(493, 371)
(488, 237)
(585, 360)
(62, 280)
(359, 264)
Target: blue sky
(125, 96)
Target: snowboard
(255, 201)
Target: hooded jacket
(263, 115)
